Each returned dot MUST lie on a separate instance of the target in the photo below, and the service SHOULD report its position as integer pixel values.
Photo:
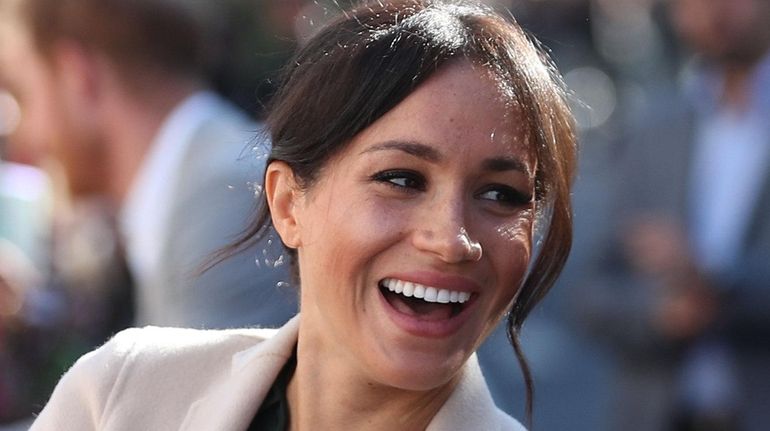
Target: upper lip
(439, 280)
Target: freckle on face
(362, 232)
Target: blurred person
(24, 236)
(685, 291)
(56, 303)
(418, 147)
(63, 285)
(115, 90)
(25, 209)
(17, 274)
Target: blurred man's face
(46, 130)
(724, 30)
(23, 73)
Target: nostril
(450, 245)
(474, 251)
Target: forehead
(463, 109)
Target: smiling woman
(414, 200)
(417, 148)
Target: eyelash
(510, 197)
(412, 182)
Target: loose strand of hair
(512, 329)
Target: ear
(282, 193)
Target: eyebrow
(495, 164)
(413, 148)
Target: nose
(445, 236)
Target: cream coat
(184, 379)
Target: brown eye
(504, 195)
(407, 180)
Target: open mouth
(423, 302)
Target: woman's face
(403, 210)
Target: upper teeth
(426, 293)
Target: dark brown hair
(368, 60)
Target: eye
(505, 195)
(401, 179)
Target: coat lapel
(232, 404)
(470, 407)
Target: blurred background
(644, 331)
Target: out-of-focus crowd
(131, 151)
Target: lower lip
(427, 329)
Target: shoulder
(222, 142)
(233, 132)
(155, 362)
(177, 349)
(151, 343)
(225, 156)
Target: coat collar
(233, 403)
(470, 407)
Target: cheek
(517, 232)
(370, 228)
(516, 235)
(511, 251)
(349, 233)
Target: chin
(416, 364)
(422, 374)
(415, 353)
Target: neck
(326, 392)
(132, 120)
